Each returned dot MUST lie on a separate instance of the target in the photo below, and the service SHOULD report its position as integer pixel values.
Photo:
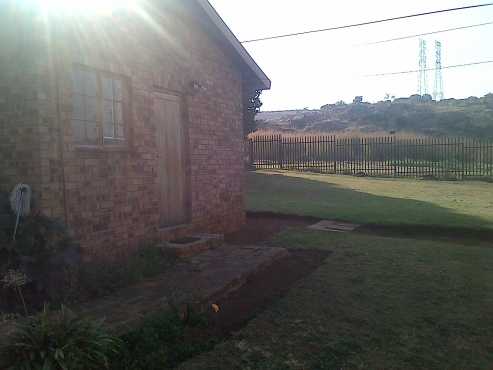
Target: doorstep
(191, 246)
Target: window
(112, 108)
(97, 107)
(84, 107)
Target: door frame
(163, 94)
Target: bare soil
(260, 290)
(267, 285)
(261, 226)
(237, 308)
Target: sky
(313, 70)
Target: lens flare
(84, 6)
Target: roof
(264, 82)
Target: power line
(429, 69)
(367, 23)
(426, 34)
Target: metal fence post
(251, 160)
(463, 157)
(280, 152)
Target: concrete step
(196, 244)
(201, 280)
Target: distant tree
(358, 100)
(252, 105)
(488, 99)
(426, 98)
(454, 117)
(388, 97)
(259, 123)
(341, 102)
(472, 100)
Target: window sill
(120, 147)
(175, 228)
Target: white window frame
(116, 98)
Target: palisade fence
(441, 157)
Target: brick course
(109, 196)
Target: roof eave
(263, 82)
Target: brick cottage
(128, 125)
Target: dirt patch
(262, 226)
(261, 289)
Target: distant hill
(418, 115)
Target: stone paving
(196, 279)
(334, 226)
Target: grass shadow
(382, 215)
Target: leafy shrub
(101, 278)
(160, 343)
(43, 250)
(59, 341)
(16, 280)
(39, 236)
(7, 317)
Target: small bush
(44, 251)
(160, 343)
(8, 317)
(101, 278)
(59, 341)
(39, 236)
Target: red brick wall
(23, 113)
(110, 197)
(19, 135)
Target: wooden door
(173, 203)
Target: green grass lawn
(373, 201)
(376, 302)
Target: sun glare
(85, 6)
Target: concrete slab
(197, 244)
(197, 279)
(334, 226)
